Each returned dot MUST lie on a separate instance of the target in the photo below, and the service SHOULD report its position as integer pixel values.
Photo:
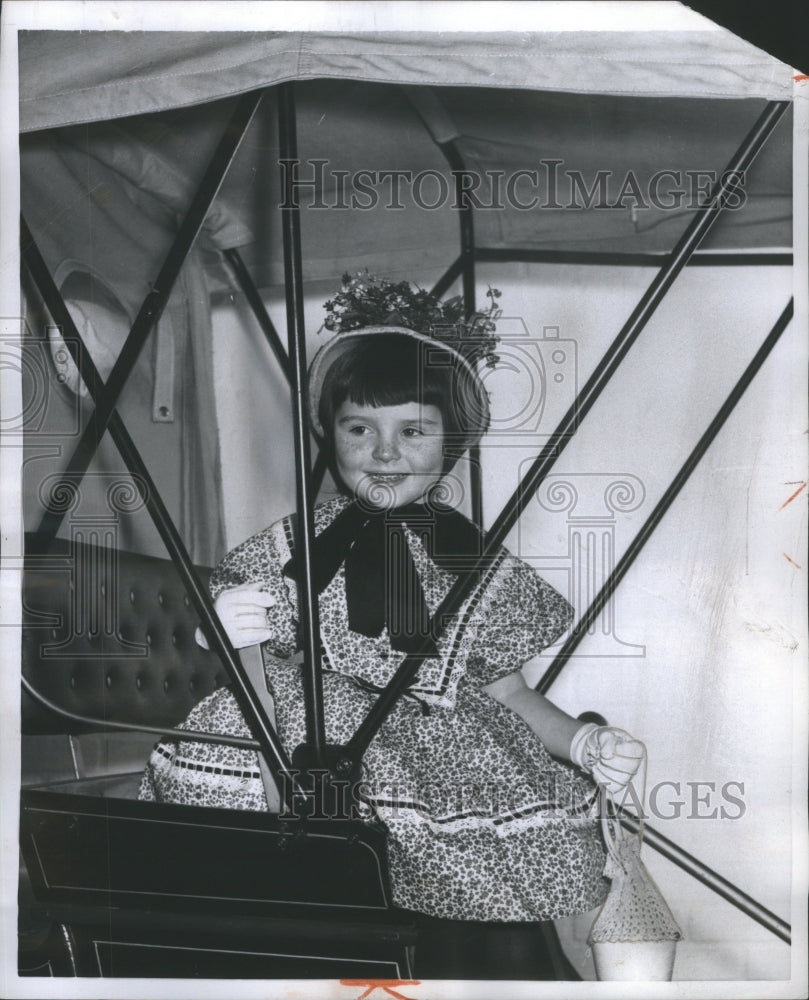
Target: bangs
(387, 370)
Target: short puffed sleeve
(260, 560)
(519, 615)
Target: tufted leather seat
(110, 634)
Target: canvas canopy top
(71, 77)
(612, 107)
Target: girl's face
(388, 456)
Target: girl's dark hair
(389, 369)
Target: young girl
(479, 780)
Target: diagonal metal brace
(106, 395)
(256, 303)
(249, 703)
(595, 385)
(708, 877)
(666, 847)
(668, 498)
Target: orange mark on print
(800, 77)
(386, 985)
(800, 489)
(790, 560)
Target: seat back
(110, 635)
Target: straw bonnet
(470, 400)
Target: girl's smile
(388, 456)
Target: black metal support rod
(447, 278)
(242, 742)
(155, 301)
(466, 220)
(293, 280)
(708, 877)
(251, 706)
(705, 258)
(262, 316)
(668, 498)
(475, 484)
(251, 293)
(592, 389)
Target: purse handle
(611, 827)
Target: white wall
(708, 631)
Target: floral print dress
(482, 823)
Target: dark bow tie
(382, 584)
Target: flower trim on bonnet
(366, 300)
(368, 305)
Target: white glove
(243, 613)
(610, 755)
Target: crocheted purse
(634, 936)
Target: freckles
(348, 446)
